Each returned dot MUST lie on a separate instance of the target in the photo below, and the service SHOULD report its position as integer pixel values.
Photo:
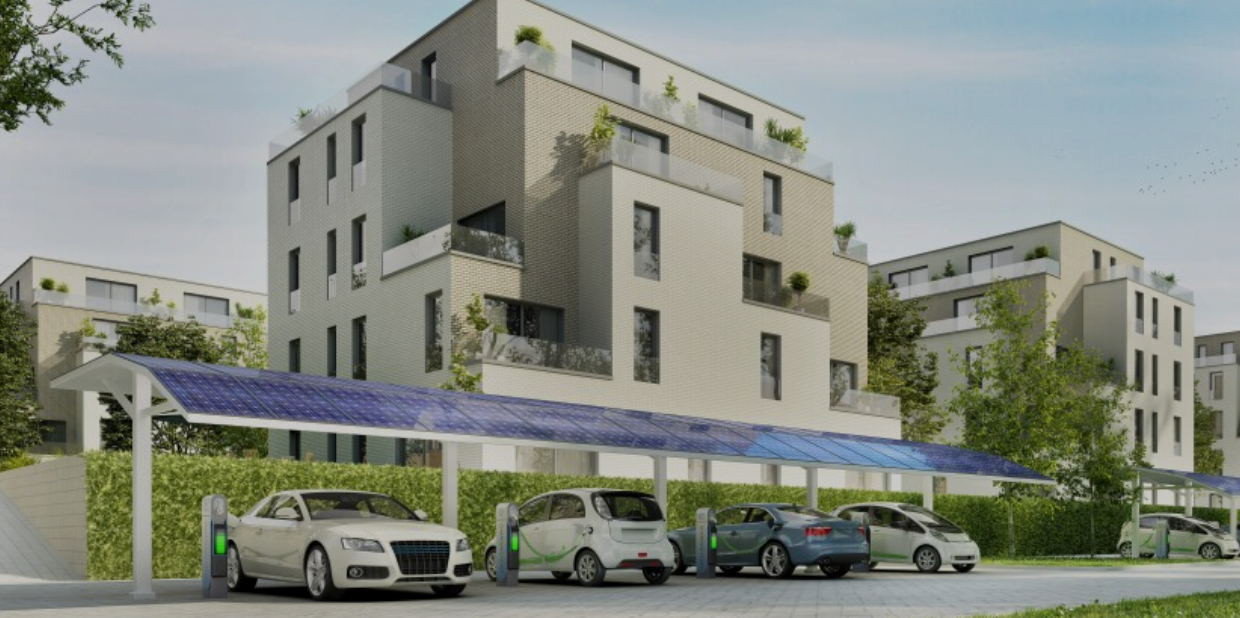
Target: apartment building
(104, 298)
(1218, 376)
(648, 272)
(1102, 296)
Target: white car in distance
(908, 533)
(335, 540)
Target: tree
(467, 343)
(1056, 410)
(900, 366)
(19, 425)
(245, 344)
(29, 67)
(1206, 458)
(163, 338)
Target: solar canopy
(215, 394)
(1226, 485)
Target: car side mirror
(287, 514)
(420, 514)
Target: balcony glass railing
(488, 245)
(674, 169)
(950, 325)
(646, 369)
(1137, 275)
(773, 223)
(544, 353)
(1215, 361)
(856, 250)
(646, 264)
(359, 275)
(531, 56)
(1040, 266)
(123, 307)
(863, 402)
(786, 298)
(387, 76)
(416, 251)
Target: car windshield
(627, 506)
(928, 518)
(1210, 527)
(795, 513)
(351, 505)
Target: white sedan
(335, 540)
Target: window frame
(909, 273)
(486, 219)
(991, 254)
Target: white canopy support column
(1231, 503)
(660, 481)
(1190, 498)
(811, 487)
(1135, 526)
(451, 493)
(927, 493)
(142, 543)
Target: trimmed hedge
(180, 482)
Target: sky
(947, 121)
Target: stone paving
(884, 593)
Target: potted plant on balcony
(603, 132)
(798, 282)
(62, 287)
(410, 233)
(949, 270)
(844, 233)
(792, 136)
(544, 59)
(47, 283)
(1162, 281)
(1038, 252)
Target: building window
(646, 152)
(1140, 426)
(843, 379)
(196, 304)
(294, 356)
(972, 360)
(990, 260)
(1201, 351)
(1097, 260)
(331, 168)
(359, 252)
(1178, 318)
(434, 331)
(359, 449)
(294, 445)
(331, 264)
(907, 278)
(294, 180)
(1154, 317)
(56, 432)
(1179, 440)
(359, 131)
(106, 296)
(423, 453)
(965, 307)
(430, 73)
(762, 279)
(491, 219)
(1228, 348)
(646, 346)
(331, 447)
(1153, 432)
(1176, 383)
(1113, 262)
(527, 319)
(359, 348)
(331, 351)
(725, 122)
(646, 242)
(1140, 316)
(1138, 371)
(772, 204)
(1216, 385)
(106, 329)
(771, 386)
(611, 78)
(1154, 374)
(1218, 425)
(294, 270)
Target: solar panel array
(213, 390)
(1226, 484)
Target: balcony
(488, 245)
(294, 301)
(1042, 266)
(950, 325)
(540, 60)
(387, 76)
(294, 212)
(863, 402)
(1214, 361)
(773, 223)
(673, 169)
(788, 300)
(416, 251)
(514, 350)
(359, 275)
(856, 250)
(1137, 275)
(646, 265)
(122, 307)
(646, 369)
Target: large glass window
(761, 278)
(196, 304)
(434, 331)
(966, 307)
(606, 76)
(990, 259)
(646, 242)
(1216, 385)
(526, 319)
(646, 345)
(771, 387)
(725, 122)
(906, 278)
(488, 220)
(772, 204)
(108, 296)
(421, 453)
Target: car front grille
(422, 557)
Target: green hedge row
(180, 482)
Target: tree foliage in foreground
(1206, 458)
(899, 365)
(19, 425)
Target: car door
(1184, 537)
(759, 527)
(533, 518)
(728, 524)
(563, 533)
(249, 536)
(1144, 539)
(887, 542)
(282, 538)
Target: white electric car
(334, 540)
(588, 532)
(910, 534)
(1189, 537)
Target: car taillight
(861, 530)
(819, 532)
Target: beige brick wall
(52, 496)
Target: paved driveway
(882, 593)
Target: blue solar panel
(211, 390)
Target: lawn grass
(1084, 562)
(1203, 605)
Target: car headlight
(362, 545)
(938, 535)
(462, 544)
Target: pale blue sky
(947, 120)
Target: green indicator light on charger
(221, 543)
(514, 543)
(714, 542)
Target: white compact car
(907, 533)
(588, 532)
(1189, 537)
(334, 540)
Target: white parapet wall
(52, 496)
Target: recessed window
(55, 432)
(294, 356)
(492, 219)
(359, 132)
(1216, 385)
(972, 363)
(1179, 438)
(1201, 351)
(965, 307)
(905, 278)
(1097, 260)
(430, 73)
(359, 348)
(770, 360)
(1176, 380)
(607, 76)
(359, 252)
(646, 242)
(1153, 432)
(434, 331)
(197, 304)
(1154, 374)
(1178, 318)
(1228, 347)
(762, 280)
(527, 319)
(294, 270)
(1154, 317)
(725, 122)
(990, 260)
(294, 179)
(1138, 371)
(1139, 426)
(772, 204)
(106, 296)
(331, 168)
(1140, 308)
(843, 379)
(359, 449)
(294, 445)
(331, 448)
(646, 346)
(331, 351)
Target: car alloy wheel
(656, 575)
(492, 569)
(1125, 550)
(589, 570)
(319, 576)
(1210, 551)
(237, 580)
(775, 561)
(678, 562)
(927, 560)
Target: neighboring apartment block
(106, 298)
(645, 274)
(1218, 378)
(1101, 295)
